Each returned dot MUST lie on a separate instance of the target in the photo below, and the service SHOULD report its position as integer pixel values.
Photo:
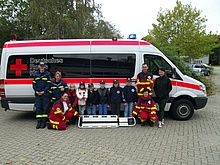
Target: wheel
(182, 109)
(207, 74)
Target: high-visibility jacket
(146, 108)
(55, 89)
(58, 117)
(41, 82)
(144, 81)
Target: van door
(155, 62)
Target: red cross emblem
(18, 67)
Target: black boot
(38, 125)
(48, 126)
(151, 124)
(142, 123)
(138, 121)
(43, 125)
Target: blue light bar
(132, 36)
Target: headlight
(203, 88)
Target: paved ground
(192, 142)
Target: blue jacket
(115, 94)
(130, 94)
(55, 89)
(41, 81)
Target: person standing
(103, 98)
(82, 95)
(72, 96)
(92, 100)
(115, 97)
(61, 113)
(130, 98)
(162, 88)
(41, 86)
(57, 87)
(73, 101)
(144, 80)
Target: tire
(182, 109)
(208, 73)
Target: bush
(185, 69)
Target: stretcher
(105, 121)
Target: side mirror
(174, 73)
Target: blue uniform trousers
(42, 107)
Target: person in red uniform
(146, 108)
(73, 100)
(72, 96)
(144, 80)
(61, 113)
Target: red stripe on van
(118, 42)
(68, 80)
(49, 43)
(144, 43)
(72, 43)
(97, 80)
(18, 81)
(188, 85)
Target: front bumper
(201, 102)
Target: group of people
(62, 103)
(145, 108)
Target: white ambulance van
(90, 61)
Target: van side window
(95, 65)
(155, 62)
(23, 66)
(72, 65)
(113, 65)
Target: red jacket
(72, 98)
(144, 80)
(144, 104)
(58, 111)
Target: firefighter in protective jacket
(144, 80)
(61, 113)
(146, 109)
(41, 86)
(57, 87)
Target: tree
(12, 19)
(215, 57)
(53, 19)
(148, 38)
(67, 19)
(181, 32)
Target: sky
(137, 16)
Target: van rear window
(73, 65)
